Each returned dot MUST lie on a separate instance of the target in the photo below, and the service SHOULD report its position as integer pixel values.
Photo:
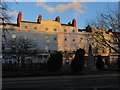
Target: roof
(66, 25)
(29, 22)
(43, 22)
(80, 30)
(8, 24)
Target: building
(52, 35)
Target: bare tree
(21, 47)
(4, 18)
(108, 22)
(4, 9)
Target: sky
(83, 12)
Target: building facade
(52, 35)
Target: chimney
(57, 19)
(19, 18)
(74, 22)
(39, 19)
(69, 23)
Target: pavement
(89, 81)
(75, 82)
(63, 77)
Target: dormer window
(65, 30)
(73, 30)
(46, 29)
(26, 27)
(55, 29)
(35, 28)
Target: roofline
(29, 22)
(14, 24)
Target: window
(55, 29)
(103, 50)
(46, 29)
(115, 40)
(96, 32)
(65, 39)
(26, 27)
(46, 36)
(46, 48)
(55, 38)
(73, 30)
(65, 30)
(35, 28)
(109, 50)
(65, 51)
(73, 39)
(46, 56)
(48, 40)
(35, 38)
(13, 36)
(3, 46)
(40, 56)
(3, 35)
(25, 38)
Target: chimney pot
(57, 19)
(74, 22)
(19, 18)
(39, 19)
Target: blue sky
(83, 12)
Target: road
(63, 83)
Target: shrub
(99, 63)
(118, 61)
(78, 61)
(55, 61)
(107, 62)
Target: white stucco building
(52, 35)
